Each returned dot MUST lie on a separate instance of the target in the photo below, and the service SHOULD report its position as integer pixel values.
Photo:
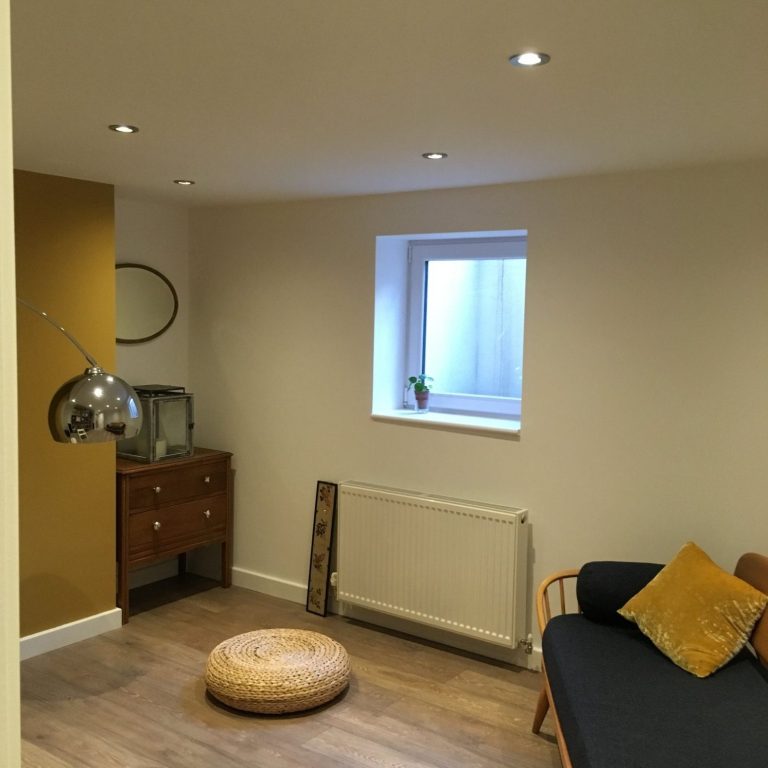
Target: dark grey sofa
(618, 702)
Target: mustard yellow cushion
(696, 613)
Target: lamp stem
(55, 324)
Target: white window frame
(419, 253)
(390, 320)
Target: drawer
(176, 528)
(151, 490)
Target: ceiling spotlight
(184, 182)
(123, 128)
(529, 59)
(435, 155)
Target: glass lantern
(168, 424)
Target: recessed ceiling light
(529, 59)
(184, 182)
(435, 155)
(123, 128)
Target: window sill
(477, 425)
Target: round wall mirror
(146, 303)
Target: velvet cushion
(695, 613)
(602, 587)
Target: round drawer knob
(157, 489)
(207, 479)
(207, 514)
(157, 525)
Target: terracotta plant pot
(422, 400)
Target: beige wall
(9, 547)
(646, 362)
(157, 235)
(65, 266)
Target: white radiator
(457, 565)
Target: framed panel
(322, 541)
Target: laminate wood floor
(135, 698)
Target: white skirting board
(66, 634)
(269, 585)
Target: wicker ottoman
(276, 671)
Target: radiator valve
(527, 644)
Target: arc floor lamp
(95, 407)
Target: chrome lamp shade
(96, 407)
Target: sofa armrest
(543, 606)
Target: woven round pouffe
(276, 671)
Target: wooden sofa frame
(751, 567)
(544, 614)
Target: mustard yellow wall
(65, 266)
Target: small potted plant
(421, 385)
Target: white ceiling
(280, 99)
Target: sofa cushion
(602, 587)
(696, 613)
(621, 704)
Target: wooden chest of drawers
(171, 507)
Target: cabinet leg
(226, 565)
(122, 589)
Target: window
(465, 329)
(452, 307)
